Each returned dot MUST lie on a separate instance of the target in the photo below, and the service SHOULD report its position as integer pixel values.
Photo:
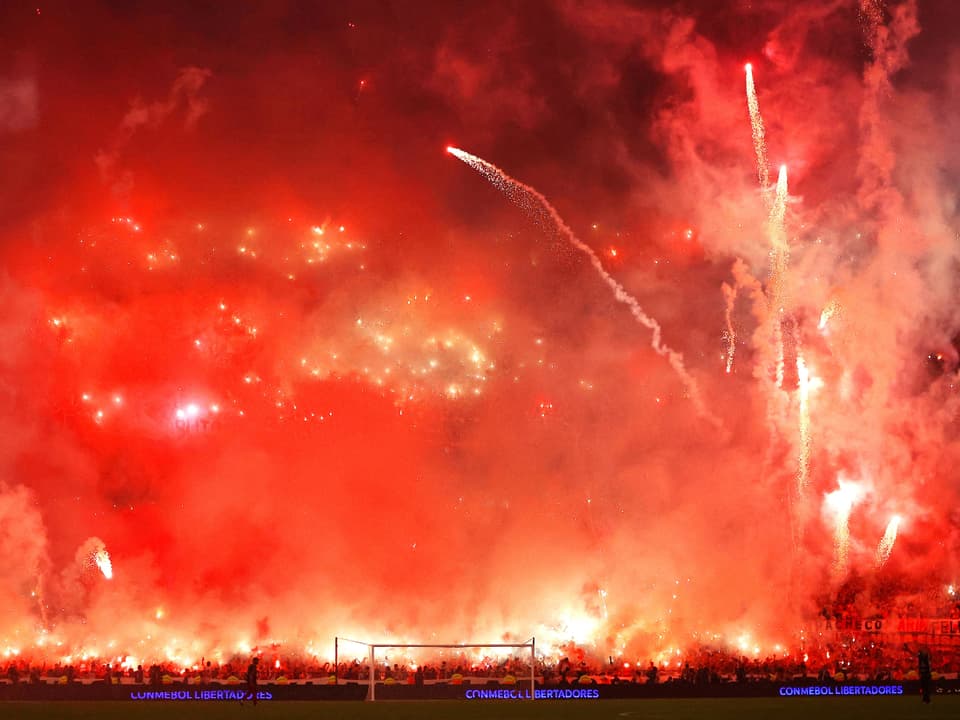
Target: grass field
(848, 708)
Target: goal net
(372, 648)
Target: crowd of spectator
(842, 644)
(853, 658)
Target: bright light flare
(102, 559)
(839, 504)
(841, 501)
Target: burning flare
(102, 560)
(839, 504)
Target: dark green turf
(846, 708)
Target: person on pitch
(251, 681)
(923, 669)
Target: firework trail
(779, 252)
(886, 542)
(778, 232)
(779, 260)
(743, 280)
(535, 204)
(41, 603)
(803, 460)
(756, 127)
(832, 308)
(730, 299)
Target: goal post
(373, 647)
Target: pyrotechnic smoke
(888, 45)
(540, 209)
(887, 541)
(23, 559)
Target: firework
(779, 250)
(832, 308)
(756, 127)
(839, 504)
(803, 389)
(730, 299)
(779, 261)
(92, 557)
(885, 547)
(540, 209)
(102, 560)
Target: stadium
(517, 359)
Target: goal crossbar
(372, 647)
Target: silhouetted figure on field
(251, 681)
(923, 668)
(652, 674)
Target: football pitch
(852, 708)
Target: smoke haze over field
(300, 373)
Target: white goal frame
(372, 650)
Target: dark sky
(287, 120)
